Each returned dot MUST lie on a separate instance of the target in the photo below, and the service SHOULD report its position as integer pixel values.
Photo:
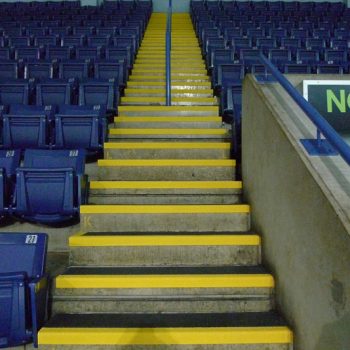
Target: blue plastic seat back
(280, 55)
(38, 32)
(85, 53)
(8, 70)
(57, 30)
(308, 56)
(336, 56)
(28, 53)
(79, 31)
(43, 159)
(108, 70)
(72, 69)
(339, 44)
(14, 32)
(23, 252)
(230, 74)
(116, 54)
(52, 40)
(80, 127)
(9, 161)
(98, 92)
(54, 93)
(14, 92)
(6, 53)
(259, 69)
(103, 31)
(250, 56)
(265, 44)
(58, 53)
(78, 40)
(322, 33)
(39, 70)
(297, 69)
(19, 41)
(329, 69)
(100, 40)
(315, 44)
(239, 44)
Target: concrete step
(176, 111)
(168, 122)
(182, 78)
(161, 249)
(216, 331)
(174, 85)
(165, 218)
(174, 73)
(130, 92)
(153, 63)
(167, 150)
(165, 192)
(161, 101)
(204, 289)
(177, 134)
(162, 71)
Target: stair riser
(166, 173)
(191, 222)
(119, 198)
(147, 85)
(162, 102)
(182, 79)
(139, 112)
(182, 255)
(162, 94)
(166, 153)
(245, 304)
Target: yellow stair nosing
(169, 119)
(167, 131)
(165, 281)
(168, 108)
(167, 145)
(165, 209)
(163, 336)
(79, 240)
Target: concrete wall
(301, 207)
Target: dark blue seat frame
(23, 287)
(58, 172)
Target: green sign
(332, 99)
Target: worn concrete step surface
(161, 122)
(174, 73)
(165, 192)
(214, 331)
(175, 78)
(130, 92)
(175, 111)
(175, 101)
(166, 169)
(163, 289)
(165, 218)
(143, 134)
(164, 249)
(167, 150)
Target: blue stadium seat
(23, 287)
(116, 54)
(9, 161)
(329, 69)
(249, 57)
(58, 172)
(339, 44)
(77, 30)
(89, 53)
(229, 75)
(94, 92)
(29, 53)
(38, 70)
(77, 40)
(14, 92)
(239, 44)
(8, 70)
(38, 32)
(6, 53)
(19, 41)
(54, 92)
(280, 56)
(73, 69)
(297, 69)
(27, 127)
(52, 40)
(59, 53)
(291, 44)
(336, 56)
(126, 42)
(80, 127)
(308, 56)
(108, 70)
(100, 40)
(111, 31)
(265, 44)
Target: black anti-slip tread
(247, 319)
(168, 270)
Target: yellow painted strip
(167, 145)
(165, 336)
(165, 240)
(173, 91)
(144, 131)
(94, 185)
(165, 281)
(167, 162)
(169, 119)
(168, 108)
(165, 209)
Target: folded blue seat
(15, 92)
(55, 92)
(29, 53)
(23, 287)
(19, 41)
(74, 69)
(73, 40)
(115, 70)
(81, 127)
(297, 69)
(52, 40)
(59, 53)
(38, 70)
(117, 54)
(58, 172)
(8, 70)
(9, 161)
(89, 53)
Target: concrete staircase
(165, 258)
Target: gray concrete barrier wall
(301, 207)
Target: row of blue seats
(60, 92)
(53, 127)
(77, 69)
(48, 187)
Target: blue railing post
(320, 122)
(168, 55)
